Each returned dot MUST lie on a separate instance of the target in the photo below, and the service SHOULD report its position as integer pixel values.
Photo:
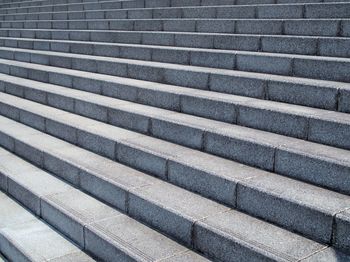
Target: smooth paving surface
(175, 130)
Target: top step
(17, 3)
(113, 10)
(60, 5)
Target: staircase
(175, 130)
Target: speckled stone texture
(175, 130)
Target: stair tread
(176, 48)
(257, 75)
(116, 103)
(42, 1)
(179, 33)
(23, 234)
(329, 89)
(272, 182)
(175, 130)
(180, 48)
(131, 236)
(309, 114)
(178, 19)
(309, 45)
(225, 98)
(164, 192)
(60, 4)
(197, 122)
(194, 6)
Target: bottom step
(98, 229)
(24, 237)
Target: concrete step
(249, 112)
(150, 203)
(105, 4)
(306, 45)
(24, 237)
(45, 6)
(319, 94)
(26, 3)
(140, 118)
(182, 166)
(74, 5)
(48, 6)
(299, 27)
(100, 230)
(251, 84)
(111, 10)
(217, 58)
(176, 130)
(315, 67)
(18, 3)
(334, 125)
(261, 62)
(240, 2)
(65, 5)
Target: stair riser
(203, 139)
(22, 4)
(178, 227)
(16, 245)
(199, 79)
(12, 251)
(320, 97)
(338, 138)
(19, 3)
(204, 2)
(316, 68)
(283, 44)
(193, 118)
(269, 27)
(67, 224)
(86, 231)
(289, 217)
(197, 138)
(330, 10)
(74, 5)
(227, 187)
(43, 6)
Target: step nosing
(172, 66)
(182, 33)
(60, 205)
(174, 7)
(233, 52)
(187, 130)
(74, 93)
(141, 145)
